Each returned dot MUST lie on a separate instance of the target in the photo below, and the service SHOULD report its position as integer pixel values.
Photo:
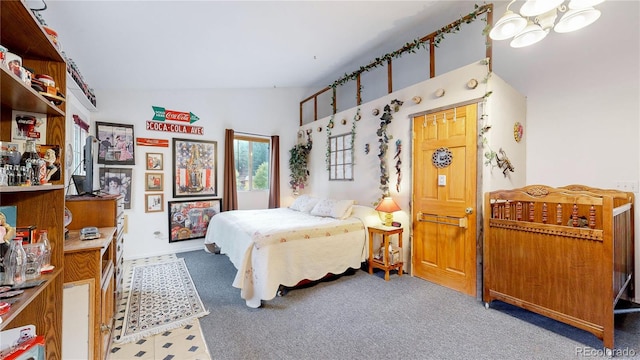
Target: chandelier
(538, 17)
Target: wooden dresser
(97, 263)
(102, 211)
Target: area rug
(162, 297)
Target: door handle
(444, 220)
(468, 211)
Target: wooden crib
(565, 253)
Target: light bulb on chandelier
(538, 17)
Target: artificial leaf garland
(383, 144)
(412, 47)
(398, 163)
(298, 160)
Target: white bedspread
(274, 247)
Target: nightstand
(384, 263)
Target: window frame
(341, 157)
(252, 139)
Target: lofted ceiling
(234, 44)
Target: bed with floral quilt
(274, 248)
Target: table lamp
(388, 206)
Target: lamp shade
(537, 7)
(507, 26)
(529, 36)
(581, 4)
(388, 205)
(576, 19)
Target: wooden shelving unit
(42, 206)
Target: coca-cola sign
(162, 114)
(175, 128)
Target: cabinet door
(106, 323)
(78, 320)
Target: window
(251, 155)
(341, 157)
(77, 143)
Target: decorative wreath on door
(442, 157)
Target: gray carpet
(360, 316)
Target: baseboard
(160, 253)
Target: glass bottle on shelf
(44, 239)
(15, 263)
(30, 160)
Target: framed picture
(115, 144)
(28, 125)
(153, 181)
(117, 181)
(153, 203)
(154, 161)
(194, 168)
(189, 219)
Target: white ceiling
(233, 44)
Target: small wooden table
(384, 264)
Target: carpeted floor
(361, 316)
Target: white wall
(256, 111)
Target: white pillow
(304, 203)
(339, 209)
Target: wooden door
(445, 197)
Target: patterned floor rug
(162, 297)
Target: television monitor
(84, 183)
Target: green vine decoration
(328, 153)
(354, 123)
(298, 164)
(383, 143)
(489, 154)
(414, 46)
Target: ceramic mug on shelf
(14, 64)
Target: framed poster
(189, 219)
(115, 144)
(117, 181)
(154, 161)
(153, 203)
(194, 168)
(153, 181)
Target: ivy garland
(412, 47)
(489, 154)
(356, 118)
(298, 161)
(328, 153)
(383, 146)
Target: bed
(281, 247)
(565, 253)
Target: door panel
(444, 231)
